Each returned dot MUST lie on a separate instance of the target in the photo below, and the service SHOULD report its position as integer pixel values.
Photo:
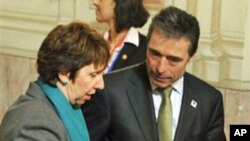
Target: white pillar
(246, 53)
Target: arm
(216, 125)
(97, 116)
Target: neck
(115, 37)
(63, 89)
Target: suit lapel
(139, 95)
(189, 110)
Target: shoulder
(199, 85)
(33, 103)
(142, 37)
(206, 94)
(34, 116)
(134, 37)
(124, 75)
(143, 41)
(121, 73)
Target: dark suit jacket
(124, 110)
(134, 54)
(32, 117)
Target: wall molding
(18, 52)
(27, 22)
(154, 4)
(219, 55)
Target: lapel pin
(193, 103)
(124, 56)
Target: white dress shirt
(176, 99)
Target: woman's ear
(63, 78)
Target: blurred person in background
(127, 45)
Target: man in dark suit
(127, 109)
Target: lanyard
(119, 43)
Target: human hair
(173, 22)
(68, 48)
(129, 13)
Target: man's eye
(174, 59)
(155, 53)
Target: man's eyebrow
(174, 58)
(169, 57)
(155, 51)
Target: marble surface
(237, 108)
(3, 86)
(15, 74)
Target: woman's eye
(93, 75)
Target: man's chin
(161, 82)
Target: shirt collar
(131, 37)
(178, 85)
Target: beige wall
(222, 59)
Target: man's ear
(192, 58)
